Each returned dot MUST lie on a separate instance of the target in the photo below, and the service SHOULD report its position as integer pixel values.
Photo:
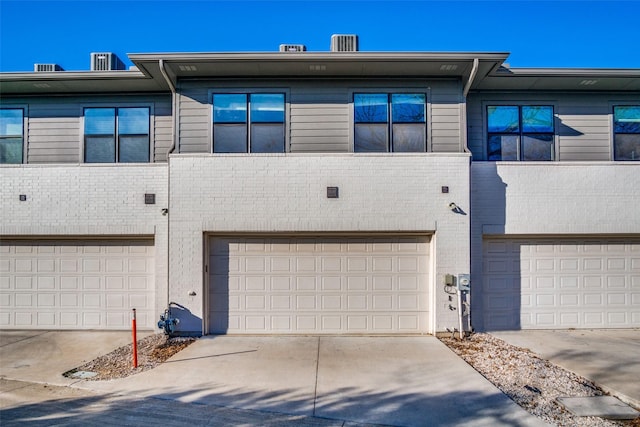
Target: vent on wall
(292, 48)
(106, 61)
(45, 68)
(344, 43)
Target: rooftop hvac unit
(46, 68)
(292, 48)
(344, 43)
(106, 61)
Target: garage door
(76, 284)
(568, 283)
(319, 285)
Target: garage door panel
(561, 283)
(319, 285)
(77, 284)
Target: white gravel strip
(530, 381)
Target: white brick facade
(594, 200)
(88, 201)
(287, 194)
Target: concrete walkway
(608, 357)
(401, 381)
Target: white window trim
(391, 90)
(249, 91)
(116, 105)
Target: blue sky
(599, 34)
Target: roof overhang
(60, 82)
(153, 70)
(559, 79)
(317, 65)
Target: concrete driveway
(406, 381)
(608, 357)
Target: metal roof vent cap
(46, 68)
(344, 43)
(292, 48)
(106, 61)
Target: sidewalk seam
(315, 388)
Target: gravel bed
(152, 351)
(529, 380)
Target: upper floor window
(11, 135)
(248, 123)
(116, 135)
(520, 132)
(389, 122)
(626, 132)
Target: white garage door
(561, 283)
(319, 285)
(76, 284)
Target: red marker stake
(135, 340)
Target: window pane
(267, 138)
(230, 108)
(503, 147)
(11, 122)
(370, 107)
(133, 121)
(99, 149)
(503, 119)
(230, 138)
(627, 147)
(409, 138)
(99, 121)
(537, 147)
(537, 119)
(627, 119)
(370, 138)
(408, 108)
(267, 108)
(11, 150)
(134, 149)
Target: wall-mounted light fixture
(165, 211)
(23, 197)
(455, 208)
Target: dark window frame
(117, 135)
(635, 130)
(250, 125)
(5, 138)
(390, 143)
(521, 134)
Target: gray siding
(319, 117)
(54, 133)
(583, 122)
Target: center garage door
(76, 284)
(561, 283)
(319, 285)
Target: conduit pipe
(174, 114)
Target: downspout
(174, 103)
(465, 92)
(465, 146)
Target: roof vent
(344, 43)
(106, 61)
(292, 48)
(46, 68)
